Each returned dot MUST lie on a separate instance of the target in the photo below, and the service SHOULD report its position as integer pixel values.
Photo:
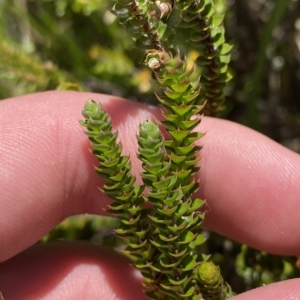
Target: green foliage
(175, 235)
(163, 241)
(149, 23)
(42, 75)
(142, 20)
(158, 241)
(211, 282)
(54, 42)
(78, 44)
(97, 229)
(260, 268)
(205, 32)
(116, 168)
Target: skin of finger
(62, 271)
(46, 166)
(81, 270)
(285, 290)
(250, 183)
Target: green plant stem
(204, 31)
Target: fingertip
(77, 270)
(285, 290)
(251, 185)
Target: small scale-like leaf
(189, 124)
(199, 240)
(177, 159)
(209, 9)
(199, 37)
(196, 204)
(183, 174)
(114, 186)
(139, 245)
(185, 150)
(118, 177)
(128, 186)
(169, 238)
(217, 20)
(179, 135)
(178, 281)
(158, 194)
(190, 97)
(159, 219)
(167, 211)
(160, 245)
(148, 177)
(173, 95)
(182, 109)
(182, 209)
(162, 183)
(177, 228)
(189, 262)
(194, 136)
(131, 221)
(181, 87)
(189, 293)
(125, 231)
(133, 210)
(186, 237)
(189, 187)
(153, 168)
(118, 206)
(225, 59)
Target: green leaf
(178, 254)
(131, 221)
(134, 209)
(199, 240)
(165, 183)
(171, 238)
(158, 244)
(137, 246)
(182, 109)
(158, 194)
(182, 209)
(185, 150)
(178, 281)
(217, 20)
(189, 262)
(159, 219)
(225, 49)
(196, 204)
(167, 211)
(209, 10)
(177, 159)
(179, 135)
(186, 237)
(188, 293)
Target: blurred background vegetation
(78, 44)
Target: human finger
(64, 271)
(252, 187)
(48, 172)
(285, 290)
(46, 165)
(85, 271)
